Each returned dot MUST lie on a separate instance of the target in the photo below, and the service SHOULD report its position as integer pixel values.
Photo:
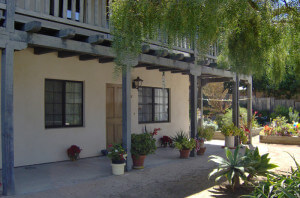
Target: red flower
(110, 145)
(255, 112)
(260, 115)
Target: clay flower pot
(138, 162)
(201, 151)
(184, 153)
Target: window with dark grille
(153, 105)
(63, 103)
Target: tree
(215, 93)
(254, 36)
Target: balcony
(86, 17)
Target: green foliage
(293, 115)
(280, 111)
(279, 185)
(226, 119)
(231, 130)
(180, 135)
(236, 166)
(116, 153)
(206, 133)
(142, 144)
(253, 36)
(256, 164)
(280, 128)
(185, 144)
(210, 123)
(232, 167)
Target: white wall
(34, 144)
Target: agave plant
(231, 167)
(256, 164)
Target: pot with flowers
(204, 134)
(142, 145)
(73, 152)
(184, 144)
(118, 157)
(230, 131)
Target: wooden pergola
(20, 31)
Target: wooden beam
(66, 54)
(41, 50)
(168, 69)
(153, 67)
(104, 59)
(204, 81)
(126, 115)
(235, 107)
(145, 49)
(249, 110)
(66, 33)
(95, 39)
(189, 59)
(193, 108)
(177, 56)
(161, 52)
(7, 120)
(33, 26)
(10, 16)
(86, 57)
(179, 71)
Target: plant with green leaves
(293, 115)
(206, 133)
(185, 144)
(256, 164)
(279, 185)
(231, 167)
(142, 144)
(180, 135)
(230, 130)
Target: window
(153, 105)
(63, 103)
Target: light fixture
(137, 83)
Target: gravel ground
(183, 178)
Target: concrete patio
(36, 178)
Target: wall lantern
(137, 83)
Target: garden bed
(279, 140)
(219, 136)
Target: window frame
(153, 106)
(64, 104)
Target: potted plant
(165, 141)
(230, 131)
(204, 134)
(183, 144)
(142, 145)
(118, 157)
(73, 152)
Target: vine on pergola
(253, 36)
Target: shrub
(185, 144)
(226, 119)
(279, 185)
(142, 144)
(230, 130)
(293, 115)
(206, 133)
(280, 111)
(209, 123)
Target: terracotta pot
(185, 153)
(201, 151)
(138, 162)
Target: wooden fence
(269, 104)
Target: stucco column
(235, 106)
(249, 109)
(193, 107)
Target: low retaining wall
(279, 140)
(219, 136)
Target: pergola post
(249, 109)
(235, 106)
(193, 107)
(126, 114)
(200, 102)
(7, 118)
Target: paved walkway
(165, 175)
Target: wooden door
(113, 113)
